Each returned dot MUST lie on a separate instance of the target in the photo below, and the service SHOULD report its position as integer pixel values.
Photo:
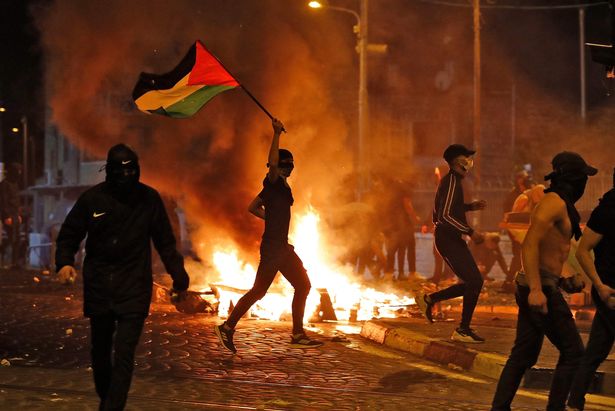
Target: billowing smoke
(303, 67)
(214, 162)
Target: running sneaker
(424, 306)
(466, 335)
(225, 335)
(303, 341)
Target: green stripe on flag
(192, 103)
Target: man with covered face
(451, 225)
(120, 217)
(273, 204)
(542, 308)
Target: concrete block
(489, 365)
(446, 353)
(406, 340)
(374, 331)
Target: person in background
(487, 253)
(10, 211)
(524, 203)
(523, 182)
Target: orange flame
(347, 294)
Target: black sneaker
(424, 306)
(225, 335)
(303, 341)
(466, 335)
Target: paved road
(181, 366)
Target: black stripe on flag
(149, 81)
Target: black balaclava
(284, 154)
(568, 180)
(122, 169)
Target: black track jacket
(450, 210)
(117, 271)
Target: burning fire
(350, 299)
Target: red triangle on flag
(208, 71)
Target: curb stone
(448, 353)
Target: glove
(574, 284)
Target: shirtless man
(542, 308)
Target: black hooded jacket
(117, 272)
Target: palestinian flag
(180, 93)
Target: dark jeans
(409, 249)
(276, 257)
(114, 340)
(456, 254)
(559, 327)
(401, 243)
(13, 232)
(601, 338)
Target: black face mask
(570, 187)
(123, 179)
(122, 169)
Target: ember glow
(350, 299)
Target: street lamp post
(2, 110)
(360, 29)
(363, 102)
(24, 126)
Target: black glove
(574, 284)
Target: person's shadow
(400, 381)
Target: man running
(449, 217)
(273, 205)
(542, 308)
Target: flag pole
(254, 99)
(258, 103)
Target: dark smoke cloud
(215, 161)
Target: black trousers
(456, 254)
(13, 232)
(559, 326)
(401, 243)
(601, 338)
(114, 339)
(276, 257)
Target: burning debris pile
(337, 292)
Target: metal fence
(489, 219)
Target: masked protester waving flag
(182, 92)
